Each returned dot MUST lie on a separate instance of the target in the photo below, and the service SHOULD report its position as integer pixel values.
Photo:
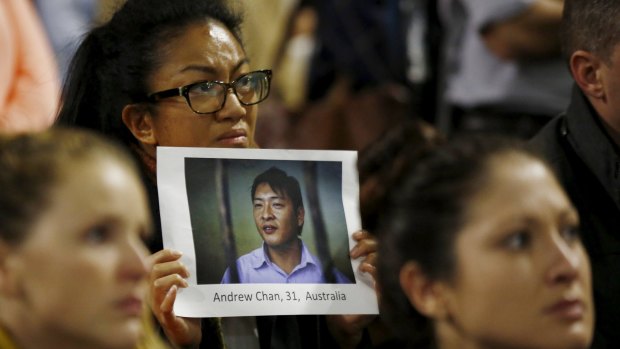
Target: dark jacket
(587, 163)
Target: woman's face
(80, 274)
(522, 276)
(204, 52)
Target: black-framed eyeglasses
(207, 97)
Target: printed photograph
(268, 221)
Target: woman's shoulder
(5, 340)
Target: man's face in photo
(276, 219)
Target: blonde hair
(30, 165)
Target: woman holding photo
(174, 73)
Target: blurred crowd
(462, 66)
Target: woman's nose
(567, 259)
(232, 109)
(135, 262)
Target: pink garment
(29, 82)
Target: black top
(588, 166)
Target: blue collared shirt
(255, 267)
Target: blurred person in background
(582, 146)
(480, 248)
(351, 70)
(73, 263)
(381, 165)
(502, 69)
(65, 22)
(29, 85)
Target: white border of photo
(224, 300)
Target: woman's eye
(244, 85)
(518, 241)
(206, 88)
(98, 234)
(570, 233)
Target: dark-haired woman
(480, 249)
(174, 73)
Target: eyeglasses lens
(209, 96)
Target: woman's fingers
(366, 244)
(167, 305)
(368, 265)
(162, 285)
(366, 247)
(168, 268)
(165, 255)
(166, 262)
(182, 331)
(167, 275)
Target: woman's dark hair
(33, 163)
(382, 163)
(424, 213)
(112, 65)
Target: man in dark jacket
(582, 146)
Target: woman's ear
(424, 294)
(138, 119)
(586, 69)
(7, 277)
(3, 271)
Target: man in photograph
(279, 217)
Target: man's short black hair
(591, 25)
(282, 184)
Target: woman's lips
(130, 306)
(570, 310)
(234, 137)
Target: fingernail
(354, 252)
(368, 268)
(176, 253)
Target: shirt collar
(263, 258)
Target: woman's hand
(167, 275)
(348, 329)
(366, 248)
